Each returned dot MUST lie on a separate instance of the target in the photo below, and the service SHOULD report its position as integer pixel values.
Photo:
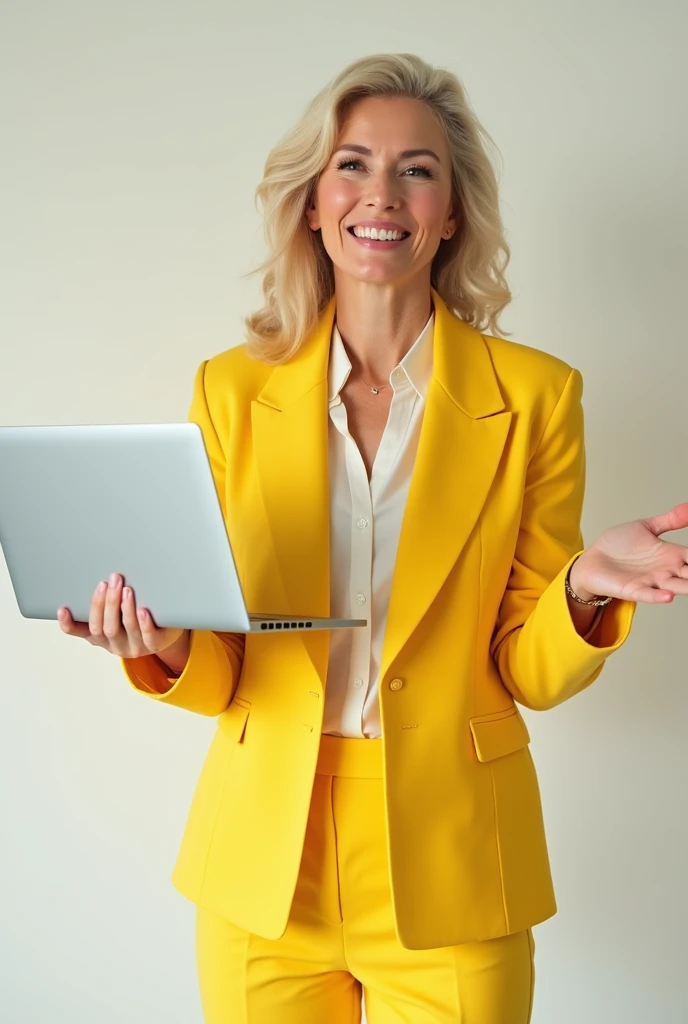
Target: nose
(383, 191)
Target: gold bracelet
(599, 602)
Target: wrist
(177, 654)
(576, 582)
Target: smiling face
(390, 171)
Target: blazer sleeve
(209, 679)
(541, 658)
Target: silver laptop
(80, 502)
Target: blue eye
(414, 167)
(419, 167)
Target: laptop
(80, 502)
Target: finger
(112, 621)
(675, 519)
(130, 620)
(676, 585)
(70, 627)
(95, 615)
(652, 595)
(149, 631)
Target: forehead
(391, 121)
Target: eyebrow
(404, 155)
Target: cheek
(336, 199)
(429, 208)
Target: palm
(629, 561)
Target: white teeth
(380, 236)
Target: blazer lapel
(290, 436)
(464, 430)
(465, 427)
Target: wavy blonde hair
(298, 279)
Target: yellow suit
(478, 619)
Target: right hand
(115, 624)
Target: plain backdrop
(133, 136)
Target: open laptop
(80, 502)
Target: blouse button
(396, 684)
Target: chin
(372, 274)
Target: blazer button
(396, 684)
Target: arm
(536, 645)
(208, 677)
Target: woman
(368, 816)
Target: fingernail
(126, 591)
(113, 579)
(102, 587)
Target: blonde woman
(368, 820)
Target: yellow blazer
(478, 619)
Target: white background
(133, 136)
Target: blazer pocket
(498, 734)
(232, 722)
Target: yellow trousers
(340, 943)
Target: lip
(380, 225)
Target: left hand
(630, 562)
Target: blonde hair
(298, 280)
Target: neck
(379, 323)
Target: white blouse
(365, 522)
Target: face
(374, 180)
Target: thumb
(675, 519)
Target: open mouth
(369, 238)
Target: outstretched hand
(631, 562)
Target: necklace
(376, 390)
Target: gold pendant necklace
(377, 390)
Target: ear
(452, 222)
(311, 215)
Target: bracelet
(598, 602)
